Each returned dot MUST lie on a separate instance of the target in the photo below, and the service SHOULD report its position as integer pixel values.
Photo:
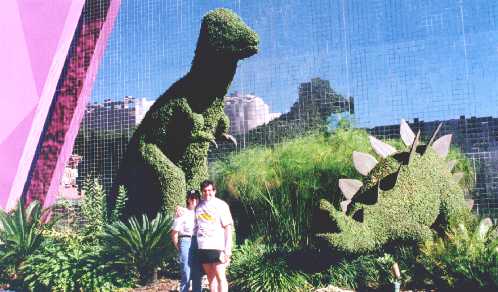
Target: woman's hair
(192, 194)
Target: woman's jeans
(190, 268)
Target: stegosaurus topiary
(168, 151)
(402, 197)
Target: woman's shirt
(185, 224)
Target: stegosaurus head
(403, 195)
(224, 33)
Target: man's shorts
(209, 256)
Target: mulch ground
(167, 285)
(171, 285)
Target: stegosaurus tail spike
(413, 149)
(406, 133)
(434, 134)
(344, 205)
(442, 145)
(349, 187)
(452, 164)
(363, 162)
(382, 149)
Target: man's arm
(174, 238)
(227, 252)
(228, 240)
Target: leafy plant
(139, 245)
(70, 262)
(121, 199)
(20, 235)
(94, 206)
(463, 259)
(256, 267)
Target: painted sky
(431, 59)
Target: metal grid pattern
(373, 62)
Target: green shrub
(20, 236)
(140, 246)
(256, 267)
(464, 259)
(70, 262)
(121, 199)
(94, 206)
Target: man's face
(208, 192)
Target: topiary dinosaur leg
(169, 180)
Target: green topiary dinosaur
(168, 151)
(403, 196)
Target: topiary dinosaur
(403, 196)
(168, 151)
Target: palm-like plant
(465, 259)
(20, 234)
(142, 246)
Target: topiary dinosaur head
(224, 33)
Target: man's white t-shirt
(185, 224)
(212, 216)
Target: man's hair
(207, 183)
(192, 194)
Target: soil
(167, 285)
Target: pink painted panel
(38, 38)
(75, 86)
(83, 99)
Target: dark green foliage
(372, 271)
(168, 151)
(69, 262)
(424, 195)
(256, 267)
(20, 236)
(94, 206)
(139, 246)
(464, 260)
(361, 272)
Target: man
(214, 236)
(185, 242)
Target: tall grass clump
(277, 188)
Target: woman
(183, 237)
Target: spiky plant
(401, 197)
(140, 245)
(20, 234)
